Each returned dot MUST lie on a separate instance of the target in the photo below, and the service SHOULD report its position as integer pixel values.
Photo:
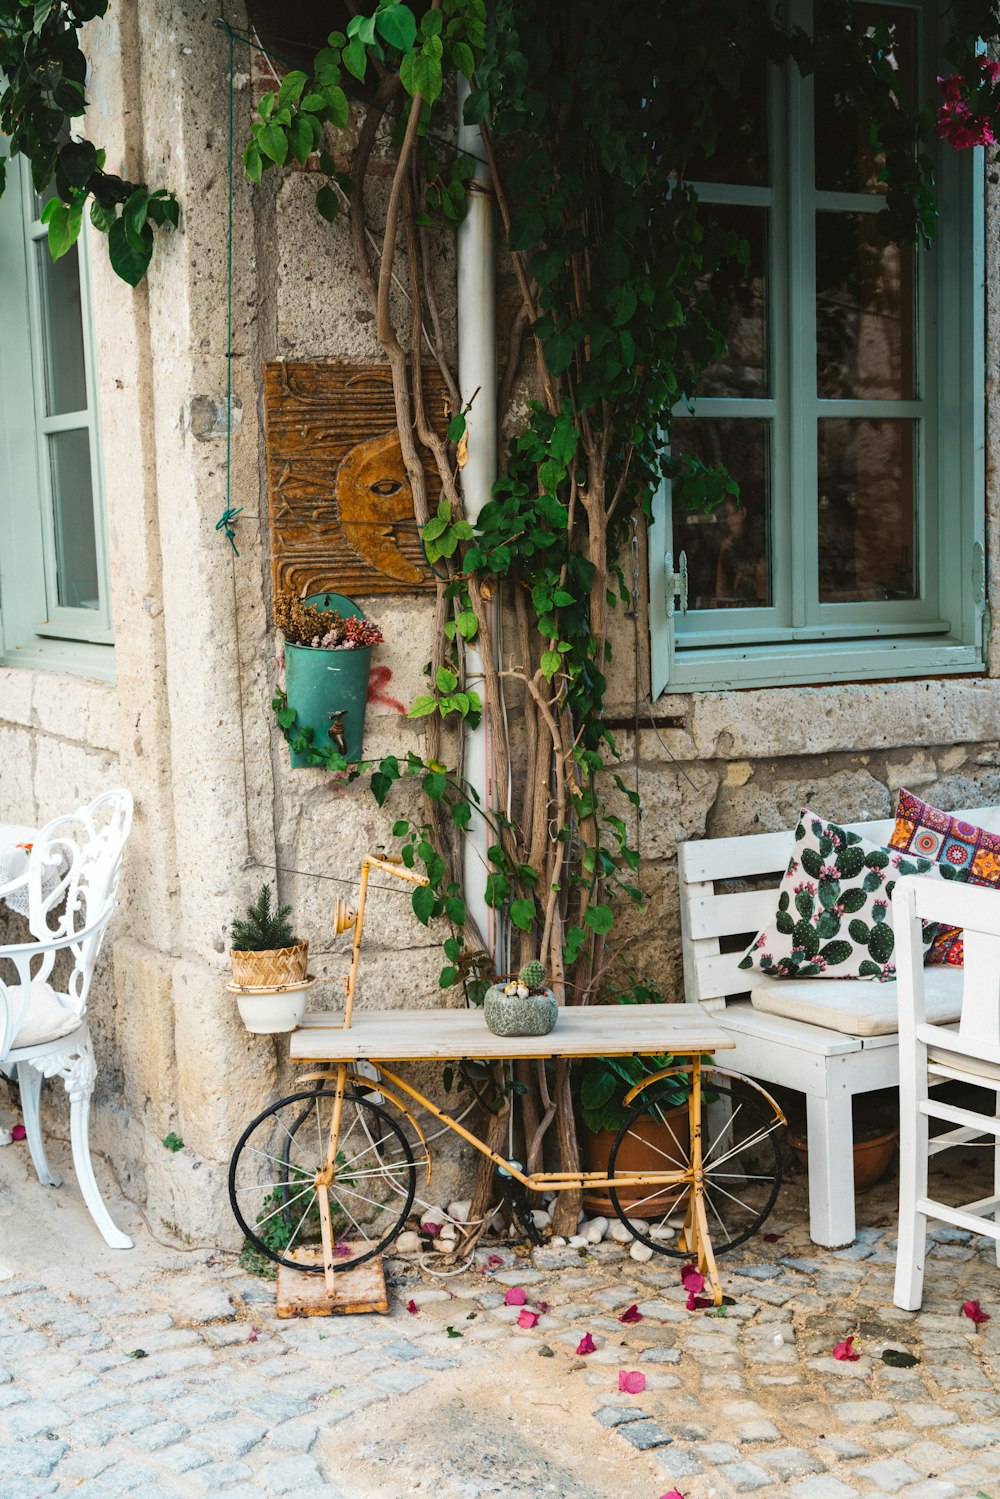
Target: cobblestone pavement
(162, 1373)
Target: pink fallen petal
(494, 1262)
(431, 1230)
(586, 1344)
(631, 1381)
(972, 1309)
(697, 1303)
(692, 1279)
(773, 1238)
(253, 1334)
(516, 1296)
(20, 1133)
(526, 1318)
(542, 1306)
(412, 1308)
(673, 1494)
(631, 1314)
(341, 1251)
(844, 1352)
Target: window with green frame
(55, 605)
(849, 407)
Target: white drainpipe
(477, 374)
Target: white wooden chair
(830, 1039)
(43, 1032)
(930, 1055)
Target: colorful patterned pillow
(922, 829)
(834, 915)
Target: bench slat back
(711, 977)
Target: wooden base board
(303, 1294)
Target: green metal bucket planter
(329, 689)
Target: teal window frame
(797, 639)
(35, 629)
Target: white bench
(829, 1066)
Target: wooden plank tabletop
(431, 1035)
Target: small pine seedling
(263, 929)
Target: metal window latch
(677, 584)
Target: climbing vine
(43, 71)
(592, 130)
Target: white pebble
(620, 1233)
(459, 1211)
(779, 1341)
(407, 1243)
(640, 1225)
(5, 1136)
(557, 1242)
(595, 1230)
(444, 1246)
(433, 1215)
(449, 1231)
(661, 1233)
(540, 1217)
(640, 1252)
(579, 1242)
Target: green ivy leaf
(129, 260)
(447, 681)
(522, 914)
(273, 142)
(456, 427)
(422, 901)
(291, 88)
(102, 218)
(356, 58)
(63, 221)
(328, 203)
(599, 918)
(550, 663)
(397, 25)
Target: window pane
(740, 154)
(867, 507)
(62, 331)
(73, 520)
(743, 369)
(864, 311)
(728, 549)
(845, 160)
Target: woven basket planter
(270, 970)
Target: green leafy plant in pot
(524, 1007)
(658, 1137)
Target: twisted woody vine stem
(589, 124)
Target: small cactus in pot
(524, 1007)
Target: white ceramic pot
(268, 1011)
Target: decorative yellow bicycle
(325, 1179)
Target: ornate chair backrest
(73, 877)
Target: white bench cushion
(857, 1006)
(46, 1018)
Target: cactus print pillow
(834, 916)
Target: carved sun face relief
(341, 507)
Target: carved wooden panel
(341, 507)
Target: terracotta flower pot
(872, 1157)
(644, 1150)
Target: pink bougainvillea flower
(254, 1331)
(631, 1314)
(494, 1262)
(526, 1318)
(586, 1344)
(412, 1308)
(515, 1296)
(844, 1352)
(773, 1238)
(672, 1494)
(692, 1279)
(631, 1381)
(431, 1229)
(975, 1313)
(542, 1306)
(18, 1132)
(341, 1251)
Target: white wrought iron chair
(43, 1032)
(930, 1055)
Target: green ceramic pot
(509, 1015)
(329, 689)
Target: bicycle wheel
(272, 1179)
(741, 1161)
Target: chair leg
(914, 1167)
(29, 1082)
(830, 1133)
(78, 1070)
(996, 1183)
